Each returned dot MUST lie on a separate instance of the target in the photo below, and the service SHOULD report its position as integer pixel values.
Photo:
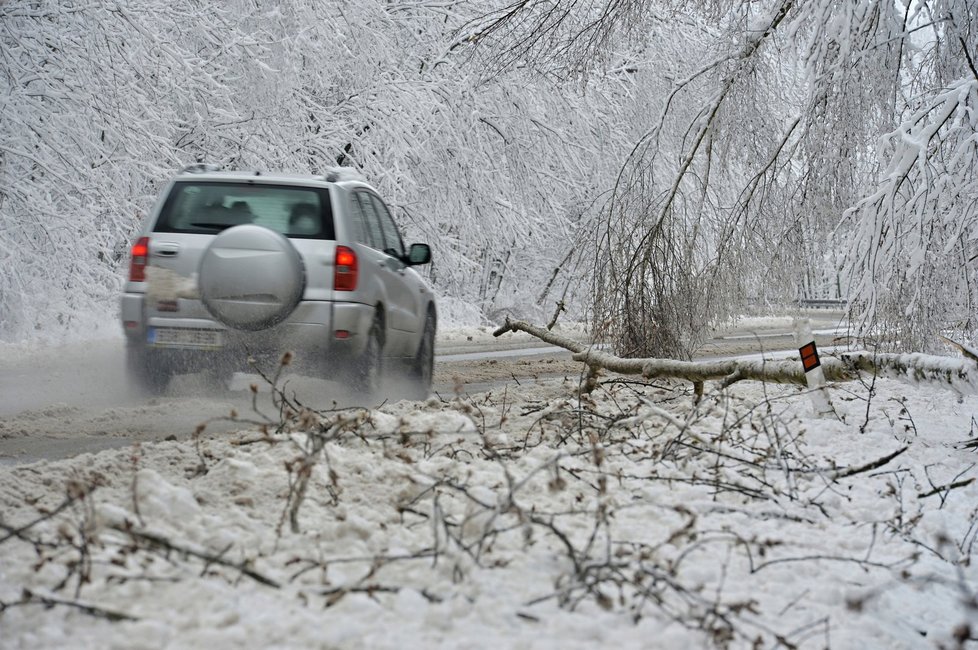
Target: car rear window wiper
(212, 226)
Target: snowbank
(527, 518)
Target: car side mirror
(419, 254)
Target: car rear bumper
(316, 331)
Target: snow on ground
(529, 517)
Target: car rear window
(212, 206)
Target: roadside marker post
(814, 375)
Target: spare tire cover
(251, 278)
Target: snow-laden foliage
(101, 104)
(916, 271)
(763, 133)
(681, 160)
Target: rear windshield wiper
(213, 226)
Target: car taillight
(140, 257)
(345, 270)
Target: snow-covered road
(56, 402)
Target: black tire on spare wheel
(251, 278)
(368, 372)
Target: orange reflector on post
(809, 356)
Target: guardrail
(822, 304)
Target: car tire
(368, 371)
(423, 367)
(148, 373)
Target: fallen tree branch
(542, 334)
(728, 371)
(961, 374)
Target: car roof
(343, 176)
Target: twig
(159, 541)
(948, 487)
(553, 321)
(31, 598)
(852, 471)
(18, 532)
(336, 593)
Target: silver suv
(231, 265)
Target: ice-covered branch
(958, 374)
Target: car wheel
(423, 368)
(147, 371)
(369, 368)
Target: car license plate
(186, 338)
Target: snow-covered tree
(679, 159)
(101, 104)
(760, 174)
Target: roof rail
(335, 174)
(200, 168)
